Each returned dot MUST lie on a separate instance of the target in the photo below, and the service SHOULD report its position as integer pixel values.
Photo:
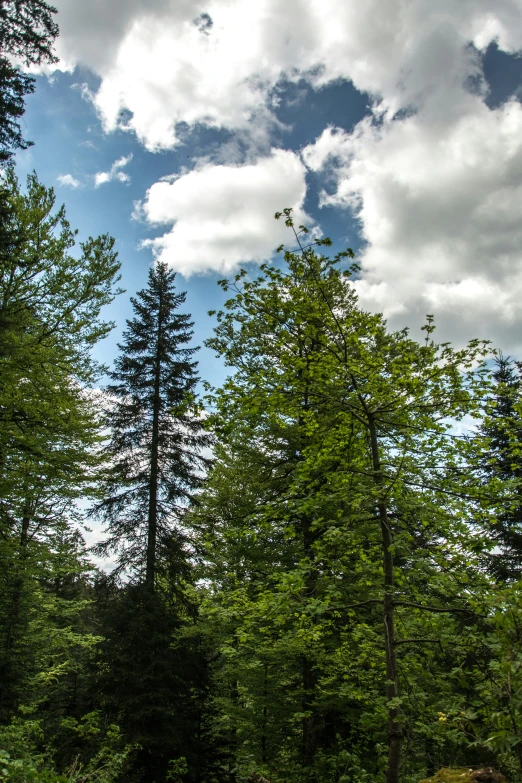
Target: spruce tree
(27, 33)
(503, 465)
(150, 672)
(157, 433)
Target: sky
(180, 127)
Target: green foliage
(152, 679)
(157, 435)
(21, 760)
(177, 769)
(50, 303)
(328, 603)
(27, 32)
(50, 432)
(328, 422)
(14, 86)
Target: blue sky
(394, 128)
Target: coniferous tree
(503, 465)
(157, 433)
(27, 33)
(28, 30)
(14, 86)
(152, 672)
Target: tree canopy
(311, 573)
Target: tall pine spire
(157, 434)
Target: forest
(317, 567)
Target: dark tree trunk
(309, 672)
(431, 766)
(309, 676)
(265, 712)
(152, 526)
(395, 730)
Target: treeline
(315, 570)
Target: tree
(152, 677)
(14, 86)
(27, 33)
(358, 416)
(156, 463)
(50, 303)
(28, 30)
(502, 465)
(51, 299)
(157, 437)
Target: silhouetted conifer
(503, 428)
(157, 434)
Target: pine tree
(28, 30)
(157, 433)
(503, 463)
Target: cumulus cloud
(440, 213)
(433, 174)
(115, 172)
(221, 216)
(184, 61)
(68, 181)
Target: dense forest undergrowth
(317, 567)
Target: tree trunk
(265, 712)
(309, 536)
(152, 525)
(309, 673)
(429, 752)
(395, 731)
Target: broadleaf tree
(360, 418)
(52, 293)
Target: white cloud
(223, 215)
(436, 176)
(159, 63)
(114, 173)
(442, 217)
(68, 180)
